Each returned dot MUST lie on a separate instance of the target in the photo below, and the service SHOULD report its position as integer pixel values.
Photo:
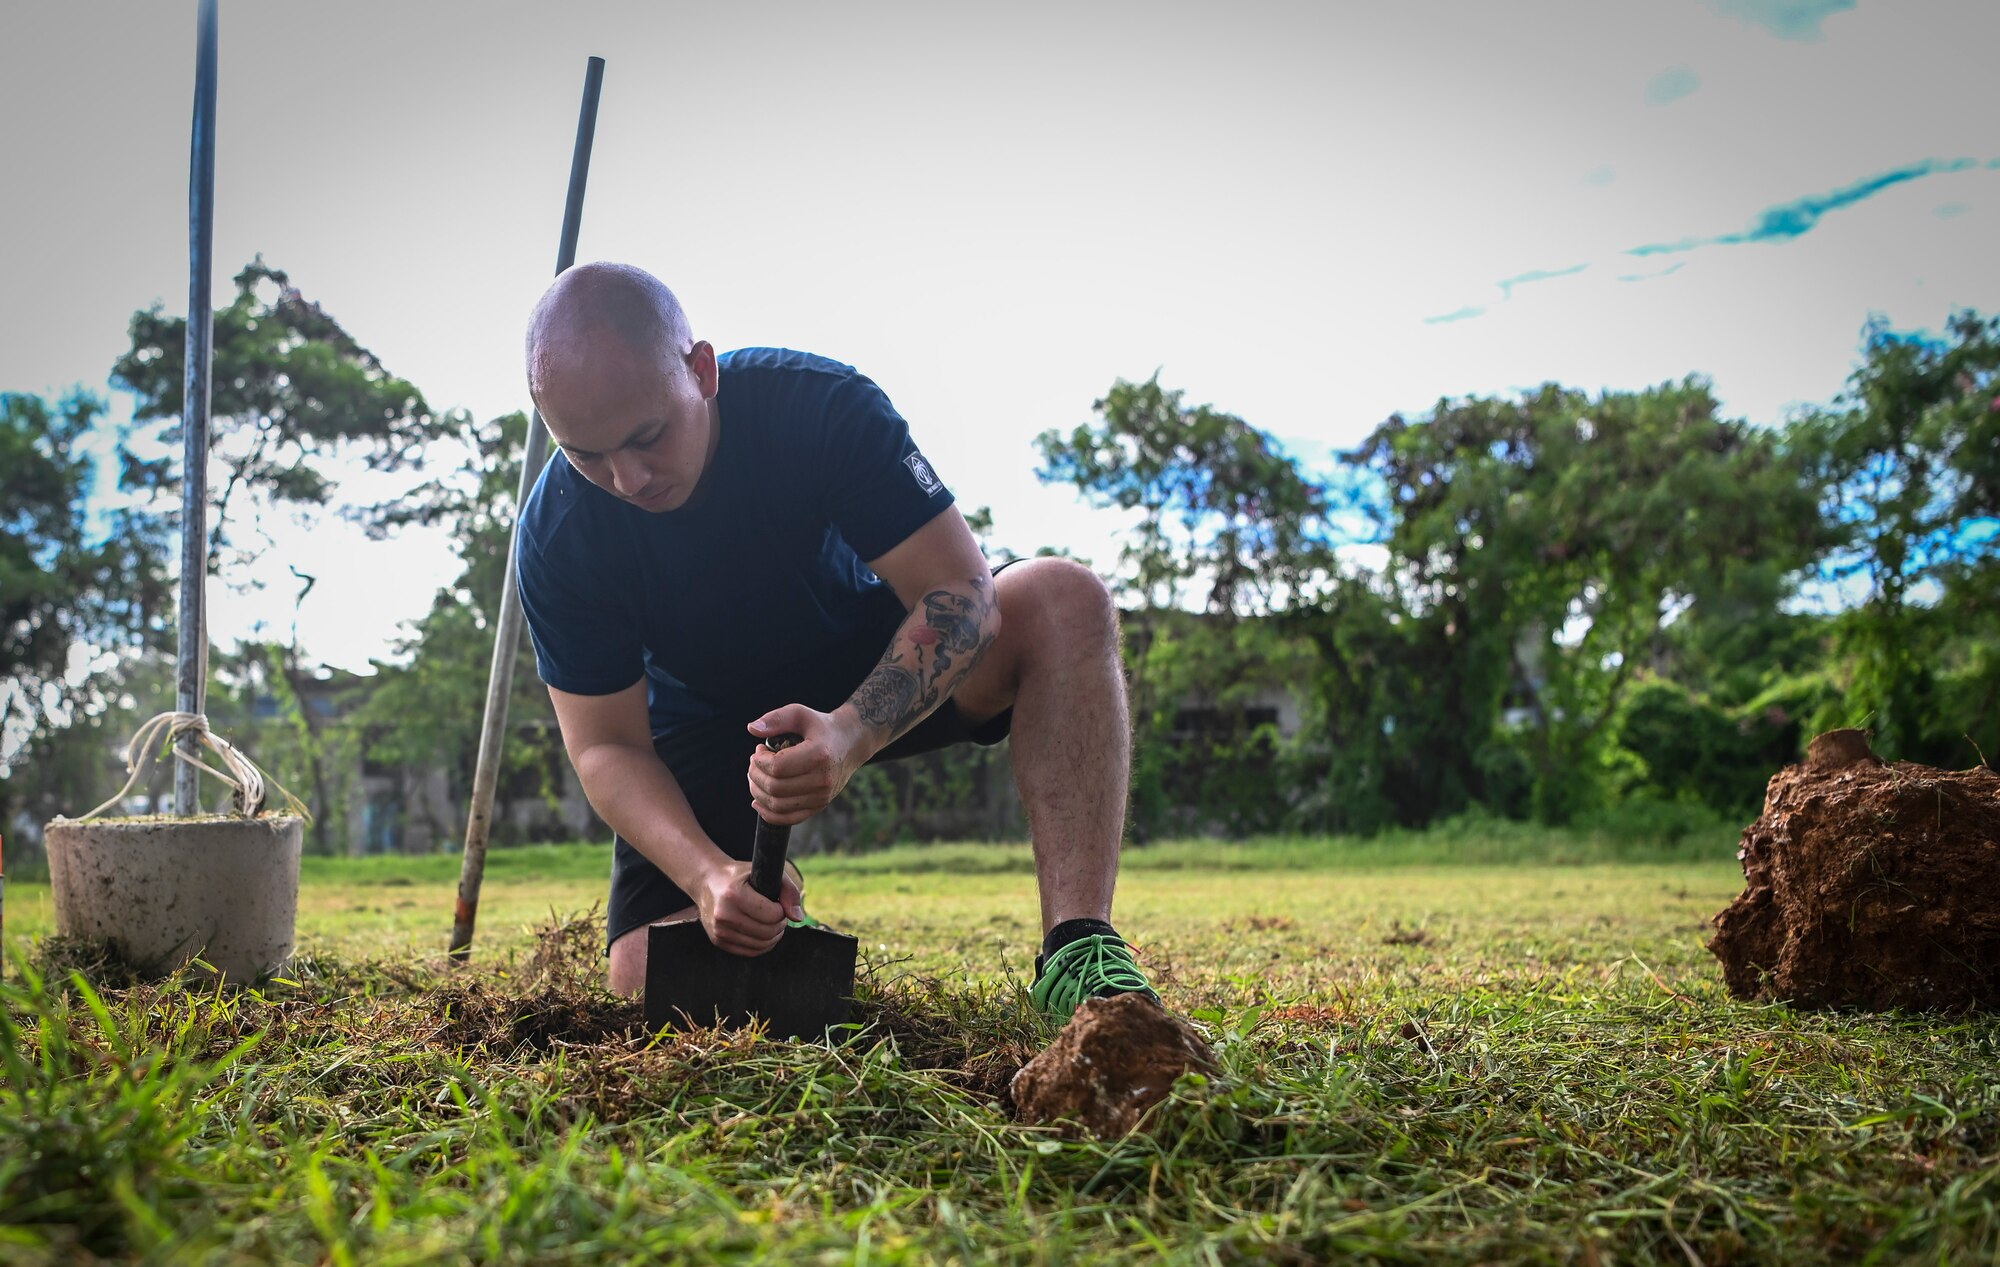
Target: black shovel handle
(767, 851)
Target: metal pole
(193, 652)
(507, 638)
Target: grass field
(1480, 1045)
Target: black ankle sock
(1074, 930)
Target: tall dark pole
(192, 661)
(507, 638)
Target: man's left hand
(792, 785)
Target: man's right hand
(736, 917)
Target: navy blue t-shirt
(754, 594)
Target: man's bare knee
(1079, 596)
(626, 972)
(1055, 602)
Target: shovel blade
(799, 988)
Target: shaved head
(623, 386)
(591, 303)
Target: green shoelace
(1084, 969)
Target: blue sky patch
(1787, 19)
(1671, 85)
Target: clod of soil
(1117, 1058)
(1868, 884)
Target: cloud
(1668, 271)
(1671, 85)
(1600, 176)
(1507, 284)
(1461, 315)
(1787, 19)
(1780, 223)
(1789, 220)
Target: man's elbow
(597, 763)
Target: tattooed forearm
(887, 694)
(933, 651)
(956, 618)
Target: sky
(1312, 215)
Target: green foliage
(1542, 543)
(293, 395)
(1401, 720)
(1205, 695)
(1539, 550)
(99, 1111)
(424, 711)
(1220, 504)
(291, 392)
(309, 744)
(66, 581)
(1224, 510)
(963, 792)
(77, 588)
(1732, 649)
(1684, 748)
(1906, 457)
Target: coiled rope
(239, 771)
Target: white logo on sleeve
(926, 478)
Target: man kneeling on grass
(729, 548)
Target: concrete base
(164, 891)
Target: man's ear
(701, 363)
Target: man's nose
(628, 473)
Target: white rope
(238, 771)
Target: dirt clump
(1868, 884)
(1116, 1059)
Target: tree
(291, 392)
(1546, 543)
(1230, 528)
(424, 711)
(1538, 550)
(1909, 457)
(83, 592)
(1220, 503)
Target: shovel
(799, 988)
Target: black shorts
(711, 763)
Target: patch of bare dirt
(1265, 924)
(1316, 1014)
(1868, 884)
(1115, 1060)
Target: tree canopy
(1582, 597)
(292, 393)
